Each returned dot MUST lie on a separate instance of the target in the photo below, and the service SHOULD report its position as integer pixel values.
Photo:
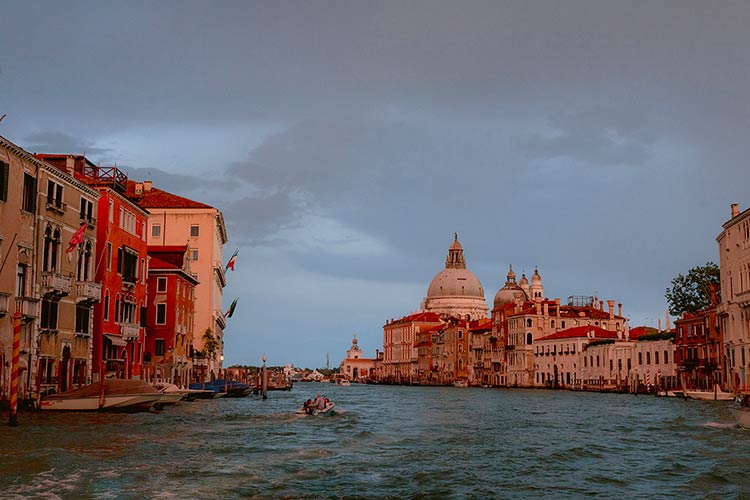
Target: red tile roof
(581, 331)
(481, 324)
(420, 317)
(156, 198)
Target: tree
(210, 344)
(694, 292)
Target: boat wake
(720, 425)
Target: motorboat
(460, 383)
(343, 382)
(741, 410)
(170, 394)
(314, 411)
(113, 395)
(716, 395)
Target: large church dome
(455, 290)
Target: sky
(345, 142)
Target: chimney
(147, 185)
(138, 188)
(659, 324)
(557, 303)
(70, 166)
(735, 210)
(546, 309)
(538, 305)
(669, 325)
(611, 307)
(601, 305)
(619, 308)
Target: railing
(130, 332)
(88, 291)
(56, 283)
(106, 175)
(90, 221)
(4, 300)
(27, 306)
(57, 206)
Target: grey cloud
(59, 142)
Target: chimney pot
(611, 307)
(735, 210)
(147, 185)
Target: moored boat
(223, 388)
(115, 395)
(716, 395)
(461, 383)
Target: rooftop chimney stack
(138, 188)
(147, 185)
(611, 307)
(735, 210)
(619, 309)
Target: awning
(116, 340)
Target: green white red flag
(230, 311)
(230, 264)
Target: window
(528, 338)
(51, 249)
(161, 284)
(666, 358)
(528, 323)
(109, 256)
(82, 319)
(111, 210)
(656, 357)
(48, 319)
(29, 193)
(640, 358)
(106, 307)
(127, 264)
(54, 195)
(194, 254)
(156, 231)
(84, 262)
(22, 279)
(159, 347)
(161, 314)
(648, 358)
(127, 220)
(143, 271)
(194, 231)
(460, 334)
(87, 210)
(4, 170)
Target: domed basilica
(455, 291)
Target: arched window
(55, 250)
(84, 262)
(47, 249)
(528, 338)
(528, 322)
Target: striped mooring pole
(13, 417)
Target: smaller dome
(536, 279)
(524, 280)
(511, 291)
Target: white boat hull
(77, 404)
(742, 415)
(716, 395)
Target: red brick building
(699, 349)
(169, 315)
(121, 252)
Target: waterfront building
(174, 220)
(66, 243)
(399, 351)
(558, 356)
(18, 200)
(734, 309)
(479, 340)
(699, 349)
(354, 366)
(540, 317)
(452, 351)
(169, 315)
(121, 253)
(654, 361)
(426, 372)
(455, 291)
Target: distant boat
(119, 395)
(460, 383)
(223, 388)
(343, 382)
(716, 395)
(741, 410)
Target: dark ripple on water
(386, 442)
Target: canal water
(385, 442)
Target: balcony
(56, 206)
(55, 284)
(130, 332)
(28, 307)
(4, 300)
(88, 292)
(90, 222)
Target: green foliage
(656, 336)
(692, 293)
(210, 344)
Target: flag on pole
(76, 239)
(230, 264)
(230, 311)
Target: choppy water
(386, 442)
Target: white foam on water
(720, 425)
